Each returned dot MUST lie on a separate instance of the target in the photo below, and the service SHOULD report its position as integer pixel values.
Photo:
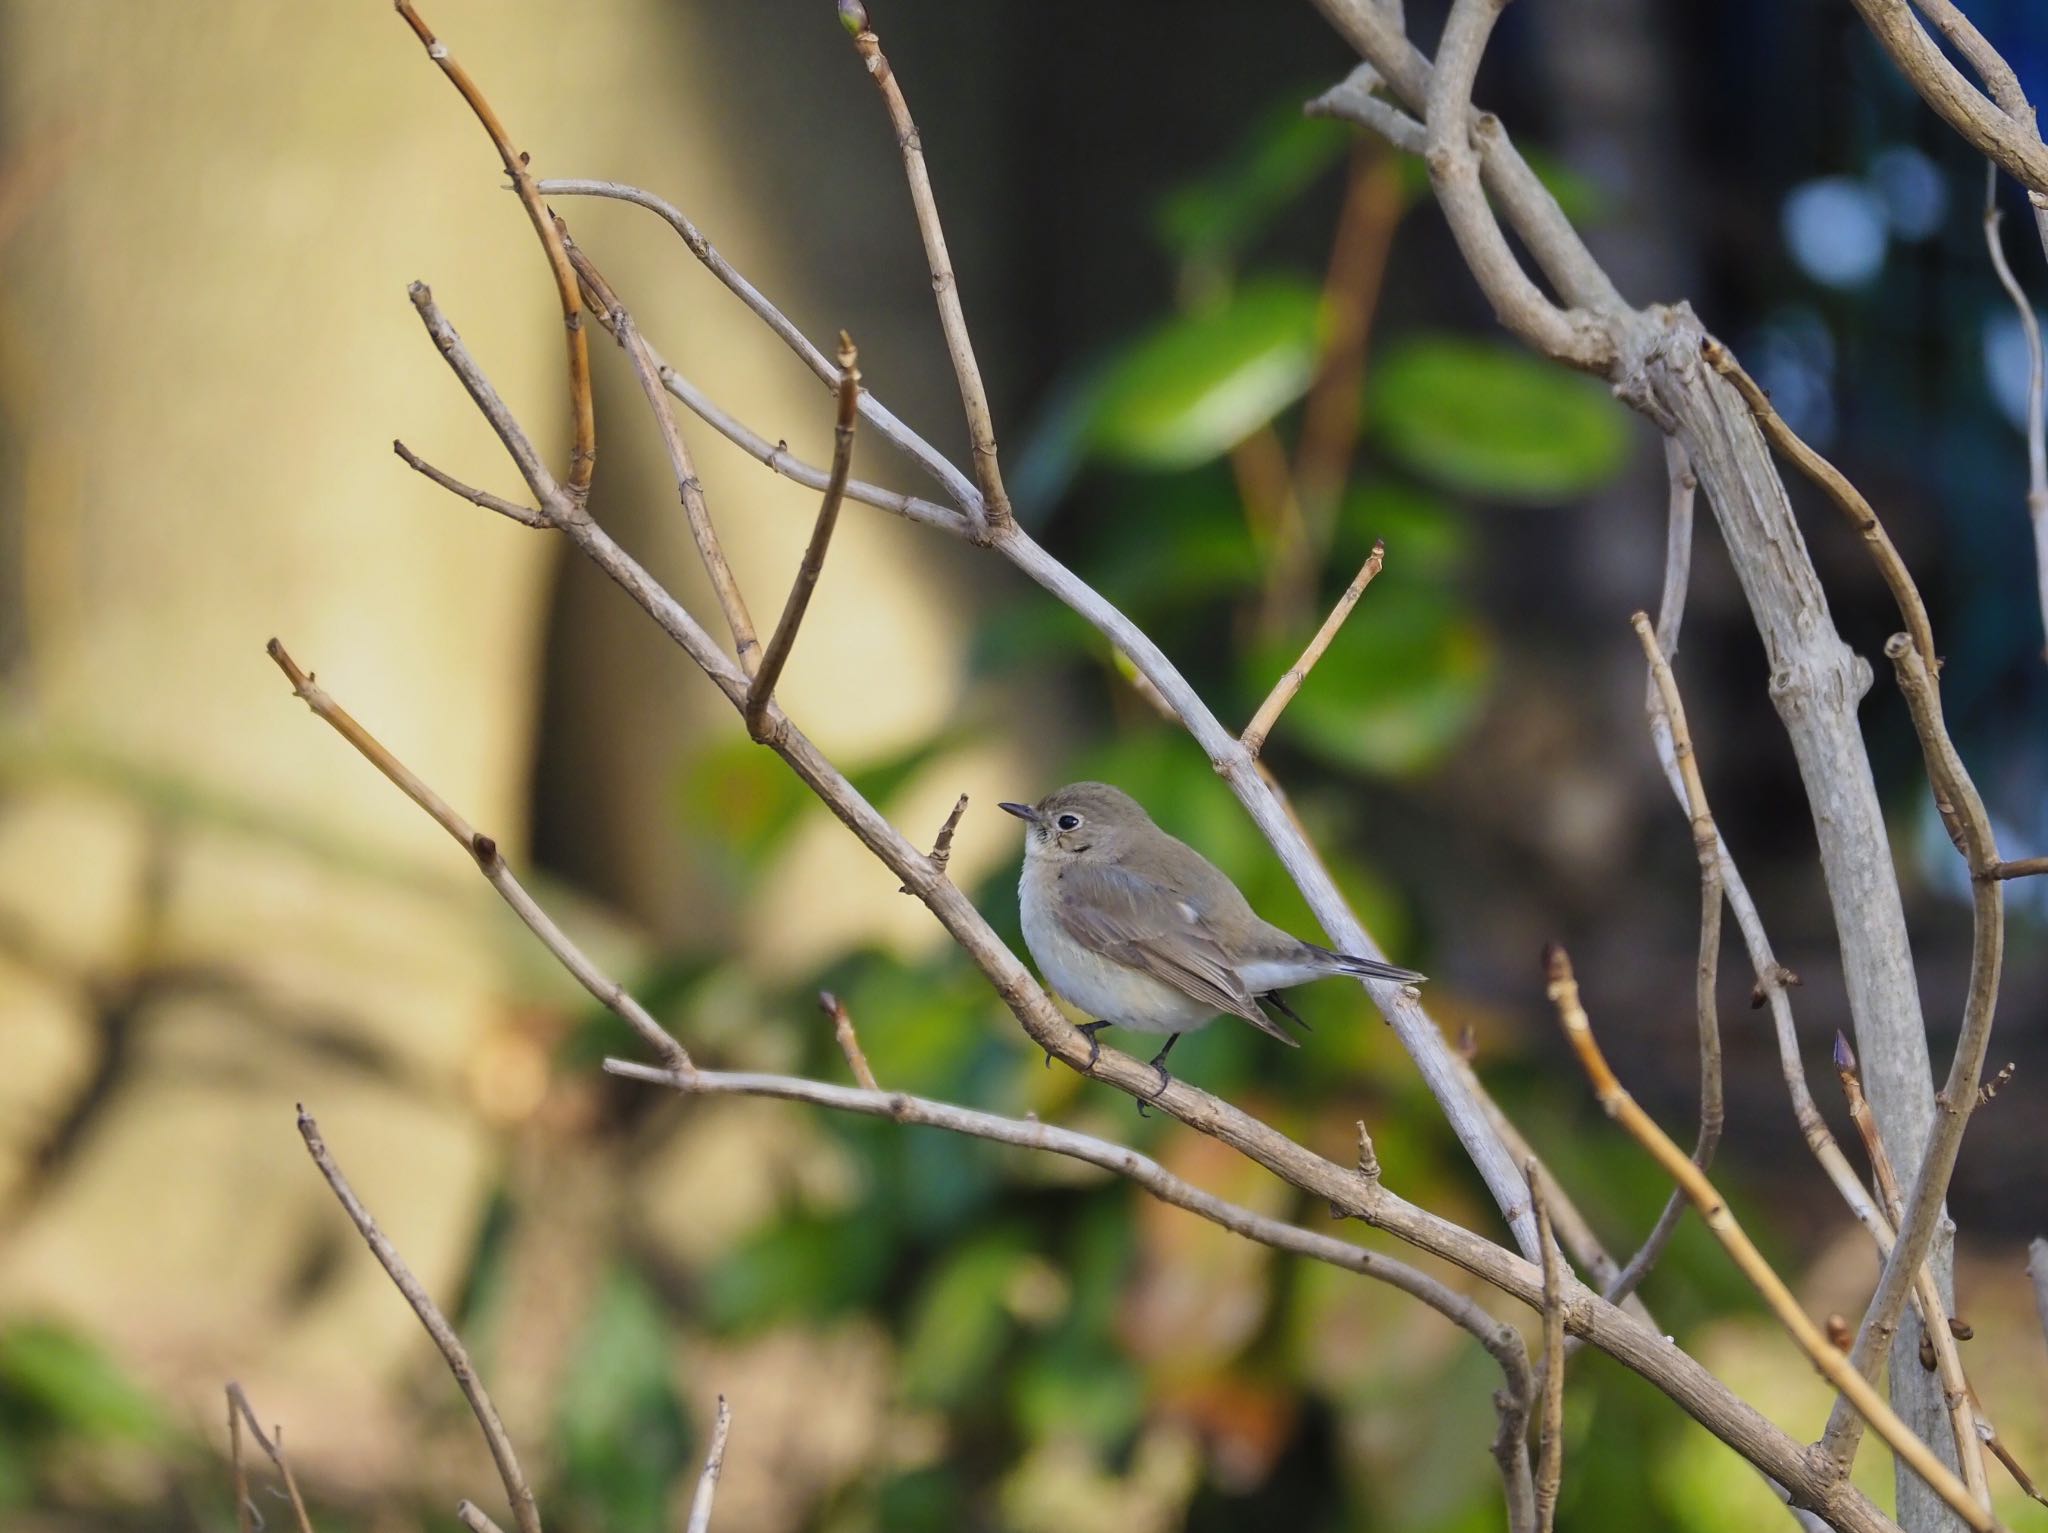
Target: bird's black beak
(1021, 811)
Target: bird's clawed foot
(1158, 1062)
(1094, 1046)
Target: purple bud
(853, 16)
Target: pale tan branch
(714, 1466)
(618, 320)
(1963, 812)
(474, 1518)
(1550, 1424)
(244, 1510)
(849, 1040)
(755, 710)
(981, 434)
(941, 854)
(1254, 737)
(489, 860)
(1619, 1105)
(2019, 867)
(583, 417)
(1846, 497)
(555, 504)
(525, 515)
(524, 1512)
(239, 1411)
(959, 488)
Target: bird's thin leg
(1272, 998)
(1158, 1062)
(1094, 1044)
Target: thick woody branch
(583, 452)
(239, 1411)
(714, 1466)
(1254, 737)
(619, 322)
(524, 1512)
(1962, 811)
(1550, 1423)
(981, 433)
(783, 639)
(1619, 1105)
(526, 516)
(489, 860)
(1454, 170)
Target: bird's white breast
(1107, 990)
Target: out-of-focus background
(1228, 348)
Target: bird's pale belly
(1108, 991)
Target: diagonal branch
(755, 710)
(524, 1512)
(489, 860)
(1254, 737)
(526, 516)
(239, 1411)
(583, 452)
(714, 1466)
(981, 433)
(1550, 1427)
(1619, 1105)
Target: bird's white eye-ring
(1068, 822)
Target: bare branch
(473, 1517)
(1847, 498)
(524, 515)
(1356, 99)
(239, 1411)
(616, 319)
(783, 639)
(1564, 995)
(1963, 812)
(2037, 1274)
(583, 454)
(959, 488)
(2037, 412)
(524, 1513)
(2020, 867)
(714, 1466)
(1550, 1424)
(554, 502)
(1254, 737)
(849, 1040)
(941, 855)
(981, 434)
(489, 860)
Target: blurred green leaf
(619, 1423)
(959, 1322)
(806, 1267)
(1213, 218)
(54, 1381)
(1201, 383)
(740, 801)
(1492, 421)
(1427, 540)
(1404, 680)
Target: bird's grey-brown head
(1083, 818)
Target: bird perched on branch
(1142, 931)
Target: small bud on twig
(853, 16)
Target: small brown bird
(1142, 931)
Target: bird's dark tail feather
(1373, 968)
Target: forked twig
(524, 1512)
(489, 860)
(1619, 1105)
(1254, 736)
(526, 516)
(994, 513)
(783, 639)
(239, 1411)
(583, 452)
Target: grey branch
(525, 515)
(524, 1513)
(714, 1466)
(2037, 416)
(1550, 1425)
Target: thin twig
(474, 1518)
(941, 854)
(524, 515)
(2037, 1274)
(2037, 390)
(1355, 99)
(849, 1040)
(714, 1466)
(273, 1450)
(524, 1512)
(618, 320)
(1254, 736)
(583, 452)
(1935, 1322)
(755, 712)
(981, 434)
(1846, 497)
(1564, 995)
(1668, 712)
(2018, 867)
(1550, 1421)
(244, 1511)
(1500, 1340)
(489, 860)
(1969, 825)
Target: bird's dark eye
(1068, 822)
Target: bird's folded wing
(1151, 928)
